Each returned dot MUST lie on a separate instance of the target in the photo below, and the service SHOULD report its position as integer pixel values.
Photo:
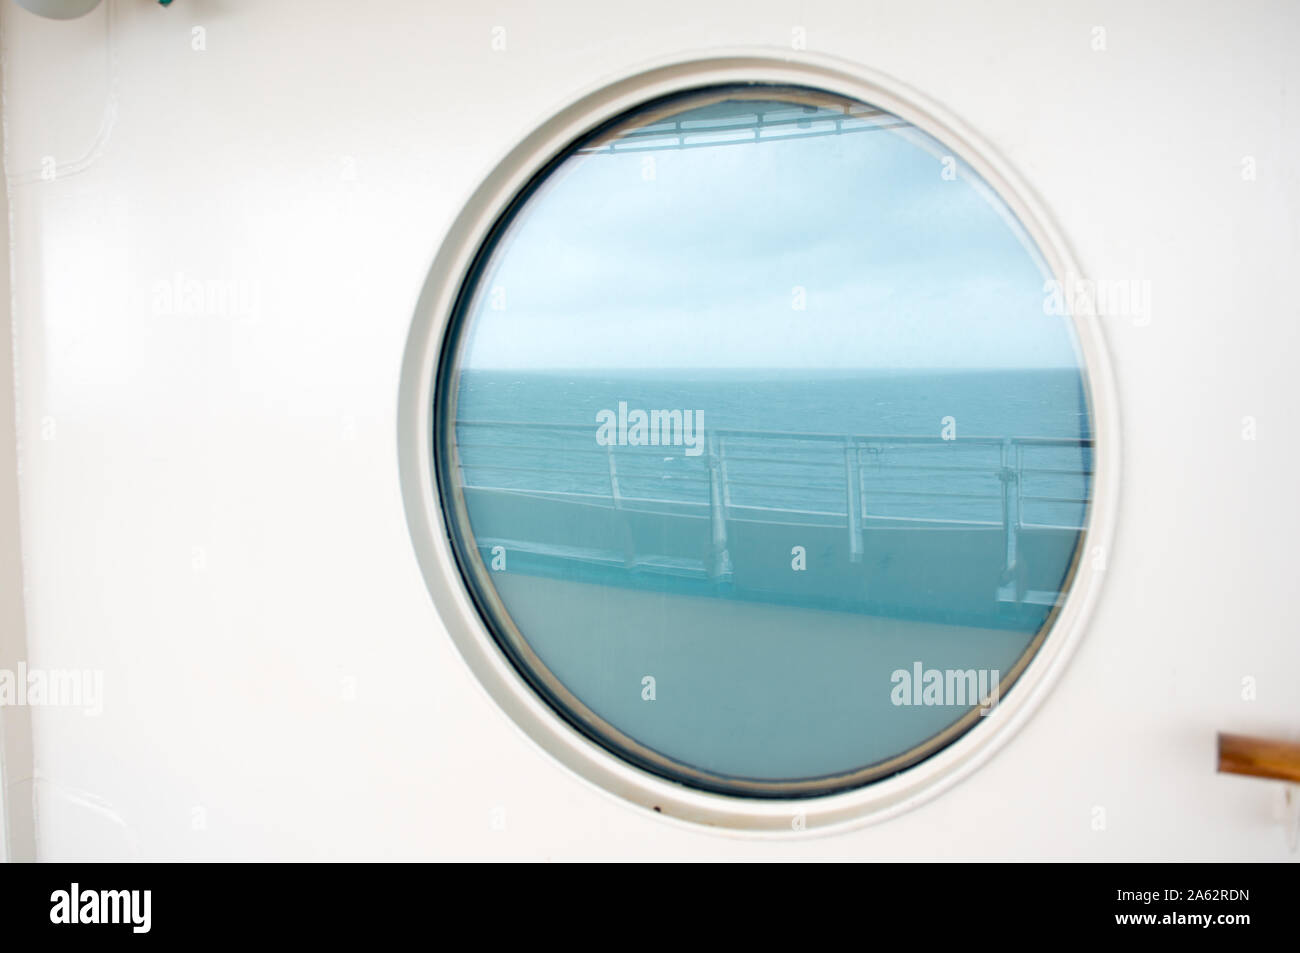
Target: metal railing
(849, 480)
(769, 123)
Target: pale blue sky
(695, 267)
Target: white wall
(17, 828)
(209, 498)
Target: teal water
(788, 472)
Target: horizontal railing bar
(603, 498)
(739, 141)
(515, 469)
(1055, 470)
(1054, 441)
(989, 497)
(784, 485)
(667, 130)
(831, 459)
(738, 510)
(769, 484)
(990, 470)
(661, 474)
(702, 476)
(676, 138)
(807, 435)
(586, 451)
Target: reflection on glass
(763, 457)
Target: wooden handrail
(1259, 757)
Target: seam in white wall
(108, 118)
(17, 786)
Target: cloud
(693, 261)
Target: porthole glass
(762, 450)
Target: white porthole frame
(759, 816)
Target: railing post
(613, 479)
(862, 487)
(629, 541)
(1009, 474)
(852, 469)
(1020, 489)
(726, 483)
(720, 559)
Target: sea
(920, 444)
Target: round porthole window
(752, 444)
